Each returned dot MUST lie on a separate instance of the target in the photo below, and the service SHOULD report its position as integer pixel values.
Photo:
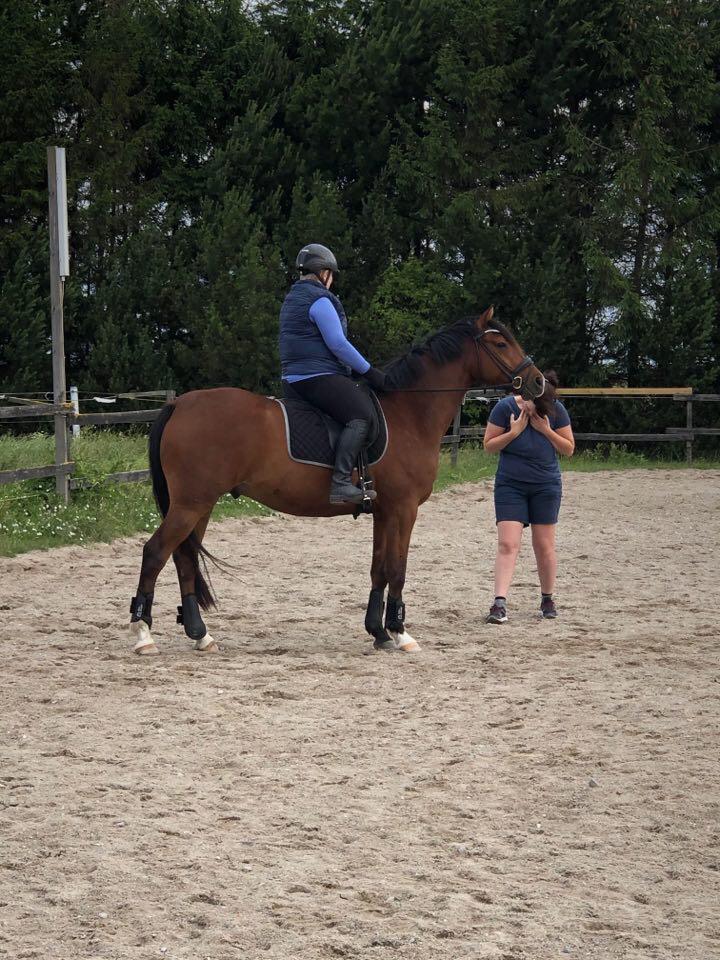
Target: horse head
(502, 361)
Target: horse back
(217, 438)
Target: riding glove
(376, 378)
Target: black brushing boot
(141, 623)
(189, 617)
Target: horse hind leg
(175, 528)
(195, 592)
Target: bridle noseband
(512, 373)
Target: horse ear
(487, 316)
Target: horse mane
(442, 347)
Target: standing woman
(528, 487)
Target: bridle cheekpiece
(514, 374)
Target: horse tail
(193, 548)
(159, 483)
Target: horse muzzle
(530, 387)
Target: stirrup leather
(365, 482)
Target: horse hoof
(144, 644)
(404, 642)
(211, 648)
(207, 645)
(387, 646)
(147, 650)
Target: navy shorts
(527, 502)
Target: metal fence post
(58, 270)
(688, 424)
(75, 401)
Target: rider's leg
(350, 443)
(343, 400)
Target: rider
(317, 360)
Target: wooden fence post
(58, 244)
(688, 424)
(456, 437)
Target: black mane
(442, 347)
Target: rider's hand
(376, 378)
(518, 424)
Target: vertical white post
(63, 242)
(75, 401)
(59, 268)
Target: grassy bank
(32, 517)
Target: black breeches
(339, 397)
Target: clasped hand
(518, 424)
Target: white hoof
(144, 643)
(404, 642)
(207, 645)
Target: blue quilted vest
(302, 349)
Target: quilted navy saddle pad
(311, 435)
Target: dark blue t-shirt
(529, 457)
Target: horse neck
(433, 410)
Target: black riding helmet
(314, 257)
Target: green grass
(474, 464)
(32, 517)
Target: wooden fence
(686, 434)
(64, 467)
(62, 470)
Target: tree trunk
(633, 347)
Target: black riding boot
(343, 490)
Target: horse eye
(501, 345)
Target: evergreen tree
(233, 340)
(25, 345)
(414, 299)
(559, 161)
(33, 73)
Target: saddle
(312, 436)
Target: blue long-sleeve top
(324, 315)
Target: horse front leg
(378, 579)
(391, 539)
(396, 567)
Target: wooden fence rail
(106, 419)
(28, 411)
(31, 410)
(686, 434)
(35, 473)
(126, 476)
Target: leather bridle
(514, 374)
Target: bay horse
(211, 442)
